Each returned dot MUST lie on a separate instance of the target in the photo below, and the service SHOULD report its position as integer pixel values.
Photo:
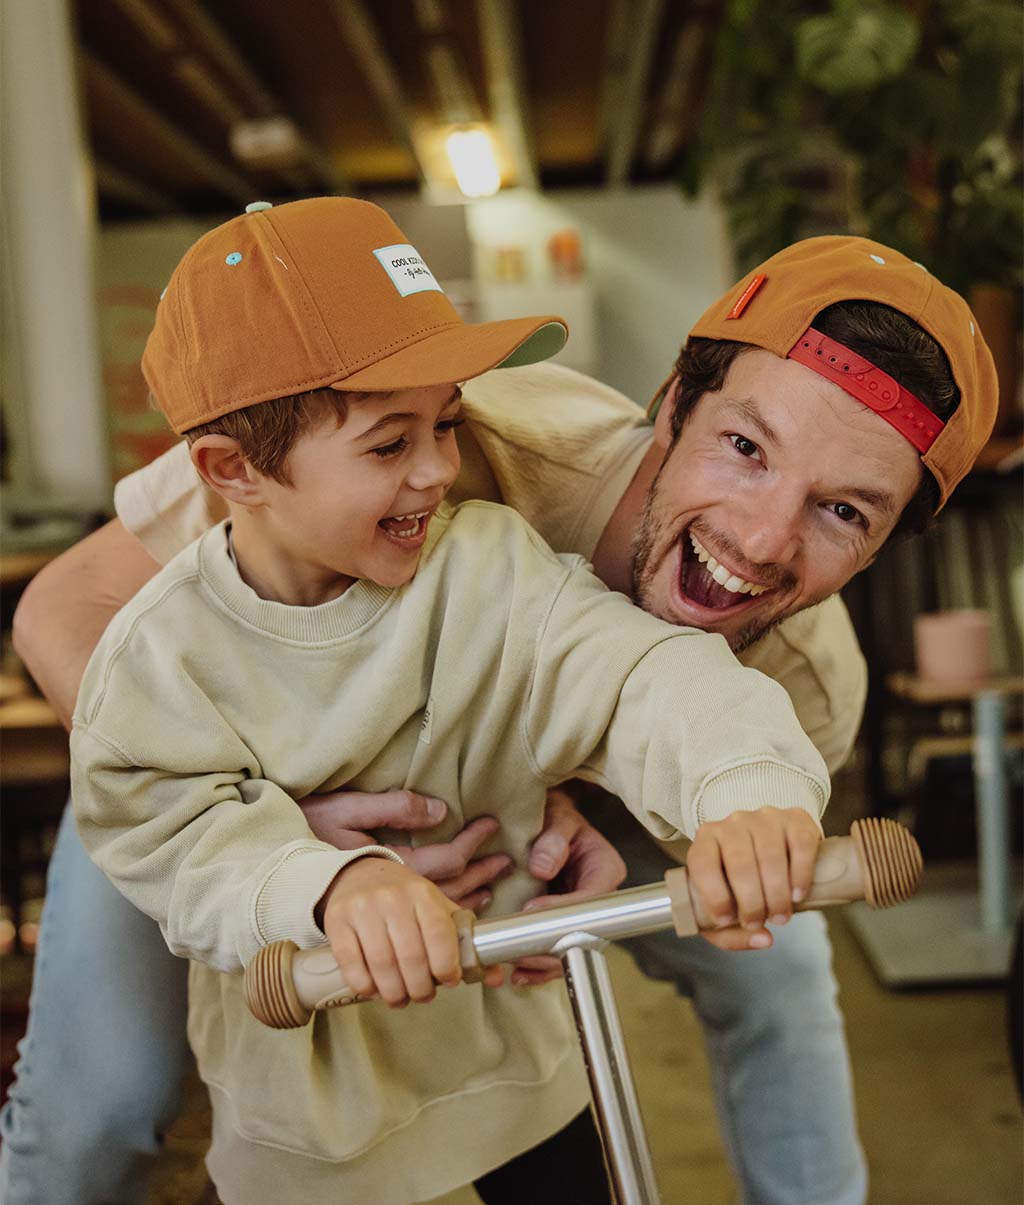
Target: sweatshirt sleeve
(171, 806)
(664, 717)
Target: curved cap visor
(458, 353)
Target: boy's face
(782, 479)
(362, 493)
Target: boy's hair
(888, 338)
(268, 431)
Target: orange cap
(324, 292)
(774, 305)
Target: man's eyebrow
(881, 500)
(747, 408)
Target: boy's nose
(433, 469)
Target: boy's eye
(449, 424)
(745, 447)
(391, 449)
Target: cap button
(258, 206)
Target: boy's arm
(173, 807)
(693, 743)
(68, 604)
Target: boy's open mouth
(406, 529)
(705, 582)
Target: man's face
(780, 484)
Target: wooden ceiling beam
(259, 100)
(633, 27)
(675, 113)
(501, 38)
(122, 186)
(141, 114)
(360, 34)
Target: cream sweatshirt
(500, 670)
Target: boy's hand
(391, 932)
(751, 868)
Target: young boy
(345, 627)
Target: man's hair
(889, 339)
(267, 431)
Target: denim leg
(777, 1051)
(102, 1062)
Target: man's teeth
(732, 583)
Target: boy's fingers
(803, 853)
(736, 938)
(773, 863)
(409, 945)
(381, 961)
(349, 956)
(707, 873)
(441, 945)
(357, 811)
(743, 874)
(494, 976)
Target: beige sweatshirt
(499, 670)
(560, 448)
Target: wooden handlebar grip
(879, 862)
(283, 985)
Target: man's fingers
(597, 866)
(535, 970)
(340, 811)
(482, 873)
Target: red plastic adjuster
(870, 385)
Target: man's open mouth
(706, 582)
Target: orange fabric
(803, 279)
(292, 298)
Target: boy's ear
(220, 462)
(663, 419)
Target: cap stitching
(415, 336)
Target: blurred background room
(618, 162)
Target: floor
(939, 1115)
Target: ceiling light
(473, 161)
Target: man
(833, 397)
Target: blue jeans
(780, 1069)
(105, 1053)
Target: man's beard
(643, 573)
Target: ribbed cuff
(759, 783)
(283, 909)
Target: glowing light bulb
(473, 161)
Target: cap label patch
(744, 298)
(408, 272)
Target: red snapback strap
(870, 385)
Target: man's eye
(391, 449)
(745, 447)
(847, 513)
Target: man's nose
(769, 526)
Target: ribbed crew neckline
(328, 621)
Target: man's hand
(577, 862)
(391, 933)
(751, 868)
(342, 818)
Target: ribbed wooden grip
(269, 987)
(891, 859)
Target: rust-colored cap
(773, 305)
(324, 292)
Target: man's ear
(220, 462)
(663, 419)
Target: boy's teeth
(732, 583)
